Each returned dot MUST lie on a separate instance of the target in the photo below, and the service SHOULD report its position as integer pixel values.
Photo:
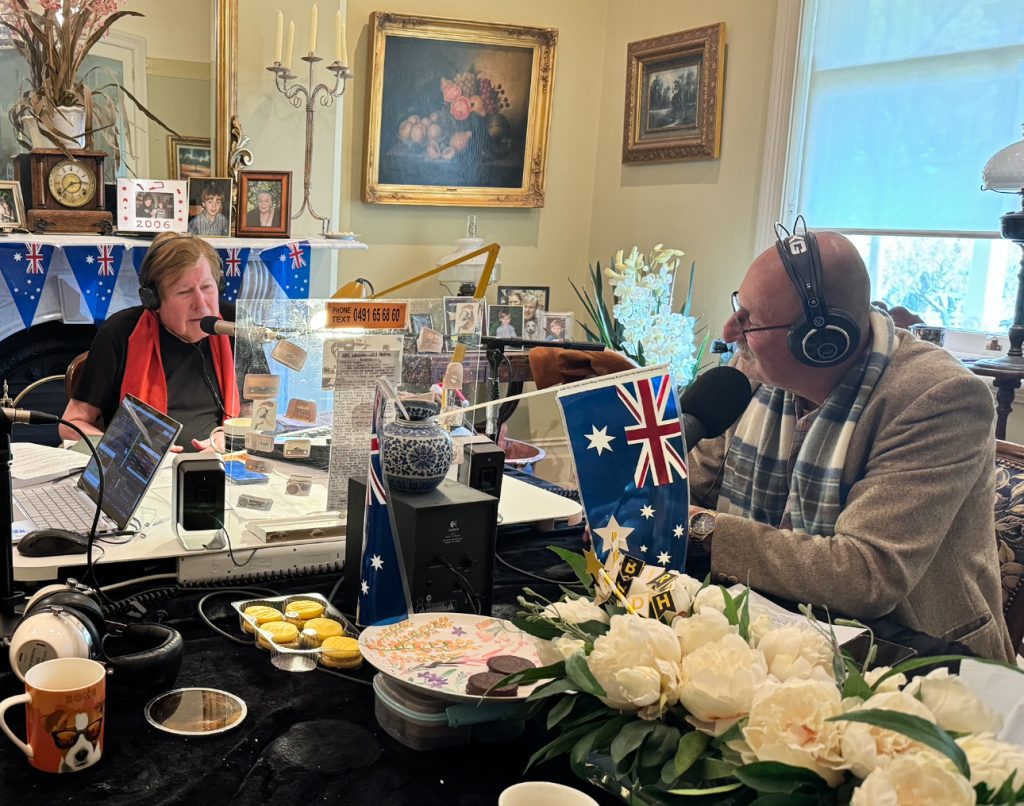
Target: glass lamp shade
(1005, 170)
(469, 271)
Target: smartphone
(236, 473)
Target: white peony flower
(788, 723)
(718, 682)
(710, 597)
(797, 651)
(761, 623)
(556, 650)
(576, 611)
(637, 664)
(914, 780)
(894, 683)
(954, 705)
(866, 747)
(703, 628)
(992, 761)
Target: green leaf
(789, 799)
(744, 623)
(776, 777)
(594, 628)
(562, 685)
(579, 673)
(578, 563)
(595, 740)
(538, 628)
(731, 613)
(711, 790)
(913, 727)
(715, 768)
(555, 670)
(920, 663)
(560, 710)
(690, 748)
(855, 685)
(560, 745)
(660, 745)
(629, 738)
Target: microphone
(218, 327)
(713, 403)
(28, 417)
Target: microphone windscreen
(208, 324)
(717, 398)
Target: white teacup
(543, 793)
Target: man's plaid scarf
(756, 481)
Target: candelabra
(299, 95)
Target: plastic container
(305, 656)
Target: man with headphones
(861, 475)
(157, 352)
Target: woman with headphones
(157, 352)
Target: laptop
(131, 450)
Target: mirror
(179, 61)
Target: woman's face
(185, 302)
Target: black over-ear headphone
(823, 336)
(149, 294)
(65, 621)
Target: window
(898, 106)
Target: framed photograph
(152, 205)
(556, 325)
(459, 112)
(12, 208)
(189, 157)
(209, 207)
(418, 321)
(674, 96)
(505, 321)
(463, 316)
(264, 204)
(534, 300)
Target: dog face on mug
(77, 735)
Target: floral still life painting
(458, 112)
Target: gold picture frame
(674, 96)
(189, 157)
(459, 112)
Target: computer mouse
(51, 542)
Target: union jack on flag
(106, 261)
(295, 252)
(233, 262)
(630, 459)
(34, 256)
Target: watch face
(702, 524)
(72, 183)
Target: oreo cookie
(480, 684)
(509, 664)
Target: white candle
(339, 38)
(291, 41)
(312, 30)
(278, 36)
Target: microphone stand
(496, 355)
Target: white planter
(69, 121)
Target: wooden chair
(1009, 512)
(74, 371)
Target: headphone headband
(149, 294)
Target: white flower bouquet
(641, 323)
(713, 701)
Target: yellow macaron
(341, 652)
(261, 614)
(318, 630)
(302, 610)
(280, 632)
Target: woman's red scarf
(144, 370)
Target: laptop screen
(134, 444)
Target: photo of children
(556, 325)
(505, 321)
(533, 299)
(209, 207)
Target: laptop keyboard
(60, 507)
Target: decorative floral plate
(438, 652)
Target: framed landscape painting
(459, 112)
(674, 96)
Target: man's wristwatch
(702, 524)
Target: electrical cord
(348, 677)
(221, 592)
(334, 590)
(471, 594)
(525, 573)
(99, 505)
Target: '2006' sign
(153, 223)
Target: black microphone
(712, 403)
(218, 327)
(28, 417)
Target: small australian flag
(289, 264)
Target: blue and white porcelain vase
(416, 454)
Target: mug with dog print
(64, 714)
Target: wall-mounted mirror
(179, 61)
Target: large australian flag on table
(630, 457)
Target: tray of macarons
(300, 631)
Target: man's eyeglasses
(741, 321)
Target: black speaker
(482, 466)
(452, 525)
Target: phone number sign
(368, 314)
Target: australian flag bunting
(383, 589)
(289, 263)
(96, 268)
(630, 457)
(234, 263)
(24, 267)
(138, 255)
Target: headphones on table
(149, 294)
(65, 621)
(823, 336)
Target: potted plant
(59, 109)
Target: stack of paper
(35, 464)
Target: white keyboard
(60, 507)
